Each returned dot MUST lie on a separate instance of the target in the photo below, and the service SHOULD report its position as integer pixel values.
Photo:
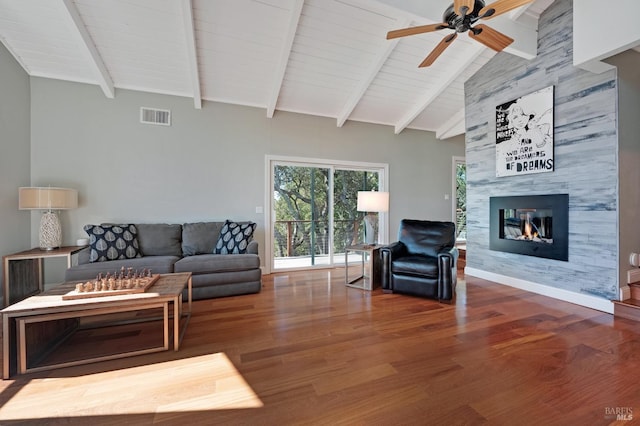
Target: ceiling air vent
(161, 117)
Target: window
(312, 210)
(460, 198)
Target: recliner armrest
(395, 250)
(388, 254)
(447, 273)
(453, 253)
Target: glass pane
(301, 227)
(461, 202)
(348, 222)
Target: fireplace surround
(533, 225)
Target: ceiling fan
(461, 16)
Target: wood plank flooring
(308, 350)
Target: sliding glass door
(313, 214)
(349, 226)
(301, 205)
(460, 200)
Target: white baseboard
(556, 293)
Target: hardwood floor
(308, 350)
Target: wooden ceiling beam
(102, 74)
(370, 74)
(454, 70)
(454, 126)
(276, 86)
(192, 53)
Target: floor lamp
(372, 203)
(50, 200)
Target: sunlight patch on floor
(212, 381)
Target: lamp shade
(372, 201)
(47, 198)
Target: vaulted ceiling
(327, 58)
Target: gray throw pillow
(200, 237)
(160, 239)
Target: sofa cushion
(226, 284)
(216, 263)
(200, 237)
(88, 271)
(160, 239)
(112, 242)
(234, 237)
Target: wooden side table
(370, 273)
(24, 272)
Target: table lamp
(372, 202)
(50, 200)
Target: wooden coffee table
(58, 317)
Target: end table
(24, 272)
(370, 273)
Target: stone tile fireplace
(533, 225)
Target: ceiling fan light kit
(461, 16)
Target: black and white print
(524, 134)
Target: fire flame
(528, 235)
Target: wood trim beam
(454, 126)
(369, 76)
(517, 12)
(192, 54)
(525, 44)
(296, 12)
(454, 71)
(104, 79)
(17, 57)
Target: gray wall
(586, 161)
(210, 164)
(14, 154)
(628, 64)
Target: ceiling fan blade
(458, 4)
(499, 7)
(415, 30)
(490, 37)
(444, 43)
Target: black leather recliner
(423, 262)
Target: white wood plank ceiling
(327, 58)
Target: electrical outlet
(633, 276)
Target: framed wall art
(524, 134)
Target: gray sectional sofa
(166, 248)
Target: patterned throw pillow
(112, 242)
(234, 237)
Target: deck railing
(311, 237)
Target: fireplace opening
(535, 225)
